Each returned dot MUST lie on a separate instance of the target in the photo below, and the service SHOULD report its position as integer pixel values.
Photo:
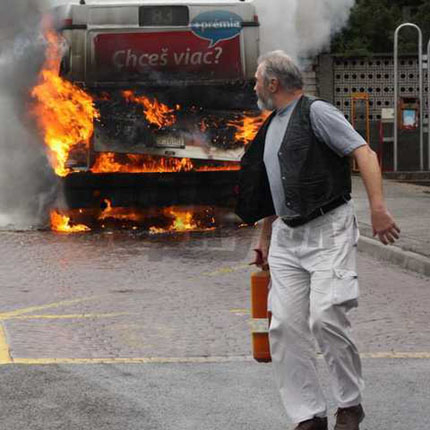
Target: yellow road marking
(71, 316)
(5, 357)
(224, 270)
(173, 360)
(8, 315)
(397, 355)
(131, 360)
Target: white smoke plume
(27, 183)
(302, 28)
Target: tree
(372, 24)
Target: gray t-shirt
(329, 125)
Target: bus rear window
(154, 16)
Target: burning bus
(149, 103)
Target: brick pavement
(184, 296)
(410, 205)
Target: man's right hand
(262, 249)
(384, 226)
(261, 256)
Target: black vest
(313, 175)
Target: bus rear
(173, 82)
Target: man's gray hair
(278, 65)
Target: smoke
(27, 183)
(302, 28)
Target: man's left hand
(384, 226)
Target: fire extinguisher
(260, 316)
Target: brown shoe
(349, 418)
(313, 424)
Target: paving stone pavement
(120, 295)
(410, 206)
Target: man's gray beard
(265, 104)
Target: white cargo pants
(313, 286)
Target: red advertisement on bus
(128, 56)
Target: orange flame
(183, 220)
(220, 167)
(137, 163)
(155, 112)
(64, 112)
(108, 162)
(61, 224)
(159, 220)
(247, 127)
(118, 213)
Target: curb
(405, 259)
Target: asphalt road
(128, 331)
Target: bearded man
(296, 176)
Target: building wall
(339, 77)
(311, 82)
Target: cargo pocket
(345, 287)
